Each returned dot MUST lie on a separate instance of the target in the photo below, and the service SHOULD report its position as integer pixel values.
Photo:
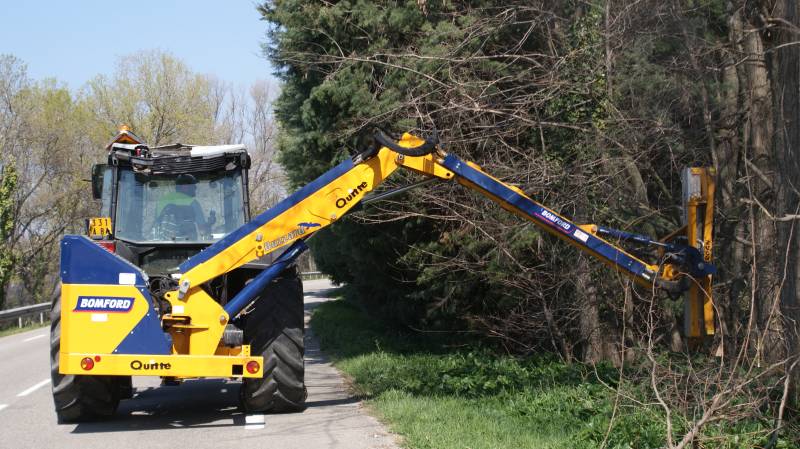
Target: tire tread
(274, 330)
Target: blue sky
(76, 40)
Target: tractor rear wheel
(274, 330)
(79, 398)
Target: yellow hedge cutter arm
(333, 194)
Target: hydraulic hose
(421, 150)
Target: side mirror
(98, 171)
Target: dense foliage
(8, 186)
(522, 89)
(592, 108)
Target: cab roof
(127, 141)
(179, 149)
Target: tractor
(160, 206)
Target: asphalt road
(197, 414)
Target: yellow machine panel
(96, 318)
(196, 325)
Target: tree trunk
(786, 86)
(731, 226)
(759, 170)
(597, 340)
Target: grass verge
(437, 397)
(443, 392)
(26, 328)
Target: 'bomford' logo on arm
(284, 239)
(103, 304)
(555, 221)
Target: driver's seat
(177, 222)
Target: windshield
(184, 208)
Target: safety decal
(103, 304)
(127, 279)
(580, 235)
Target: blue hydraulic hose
(251, 290)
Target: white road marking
(253, 422)
(34, 388)
(35, 337)
(2, 406)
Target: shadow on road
(214, 403)
(330, 402)
(195, 403)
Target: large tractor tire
(79, 398)
(274, 330)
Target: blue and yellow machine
(113, 323)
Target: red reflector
(252, 367)
(109, 245)
(87, 363)
(97, 358)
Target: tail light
(87, 363)
(252, 367)
(109, 245)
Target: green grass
(26, 328)
(439, 397)
(445, 422)
(448, 392)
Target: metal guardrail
(23, 311)
(41, 308)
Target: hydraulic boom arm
(332, 195)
